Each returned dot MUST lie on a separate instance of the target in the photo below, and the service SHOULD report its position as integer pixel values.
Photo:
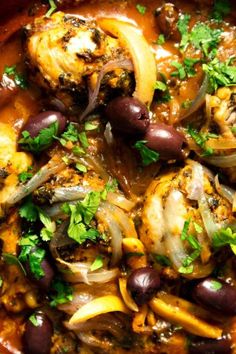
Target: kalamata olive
(167, 17)
(216, 294)
(37, 338)
(45, 281)
(165, 140)
(210, 346)
(143, 283)
(44, 120)
(128, 115)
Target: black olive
(167, 17)
(165, 140)
(37, 338)
(128, 115)
(143, 283)
(44, 120)
(210, 346)
(216, 294)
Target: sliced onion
(143, 59)
(195, 187)
(79, 272)
(123, 220)
(98, 306)
(207, 217)
(110, 66)
(225, 191)
(129, 302)
(199, 100)
(46, 172)
(92, 341)
(65, 194)
(221, 143)
(175, 211)
(116, 236)
(222, 161)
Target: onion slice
(199, 100)
(47, 171)
(178, 315)
(225, 191)
(223, 161)
(143, 59)
(101, 305)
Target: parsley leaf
(161, 39)
(141, 9)
(53, 8)
(42, 141)
(215, 285)
(97, 264)
(148, 156)
(49, 226)
(29, 210)
(220, 74)
(163, 91)
(61, 293)
(201, 139)
(17, 77)
(33, 319)
(224, 237)
(186, 69)
(109, 187)
(80, 167)
(205, 38)
(35, 260)
(162, 260)
(25, 176)
(183, 24)
(81, 215)
(221, 8)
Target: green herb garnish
(61, 293)
(53, 8)
(221, 9)
(161, 39)
(18, 78)
(13, 260)
(201, 139)
(223, 238)
(97, 264)
(33, 319)
(148, 156)
(42, 141)
(141, 9)
(186, 69)
(162, 260)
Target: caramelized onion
(47, 171)
(143, 59)
(225, 191)
(222, 161)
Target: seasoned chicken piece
(184, 199)
(66, 54)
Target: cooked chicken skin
(66, 54)
(170, 202)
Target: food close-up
(117, 177)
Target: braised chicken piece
(187, 200)
(65, 55)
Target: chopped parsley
(70, 134)
(160, 85)
(88, 126)
(148, 156)
(201, 35)
(205, 38)
(47, 231)
(215, 285)
(186, 104)
(161, 39)
(186, 69)
(61, 293)
(81, 214)
(183, 25)
(97, 264)
(42, 141)
(29, 210)
(163, 94)
(33, 319)
(221, 9)
(162, 260)
(201, 139)
(187, 266)
(18, 78)
(220, 74)
(25, 176)
(141, 9)
(80, 167)
(53, 8)
(223, 238)
(1, 281)
(109, 187)
(32, 254)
